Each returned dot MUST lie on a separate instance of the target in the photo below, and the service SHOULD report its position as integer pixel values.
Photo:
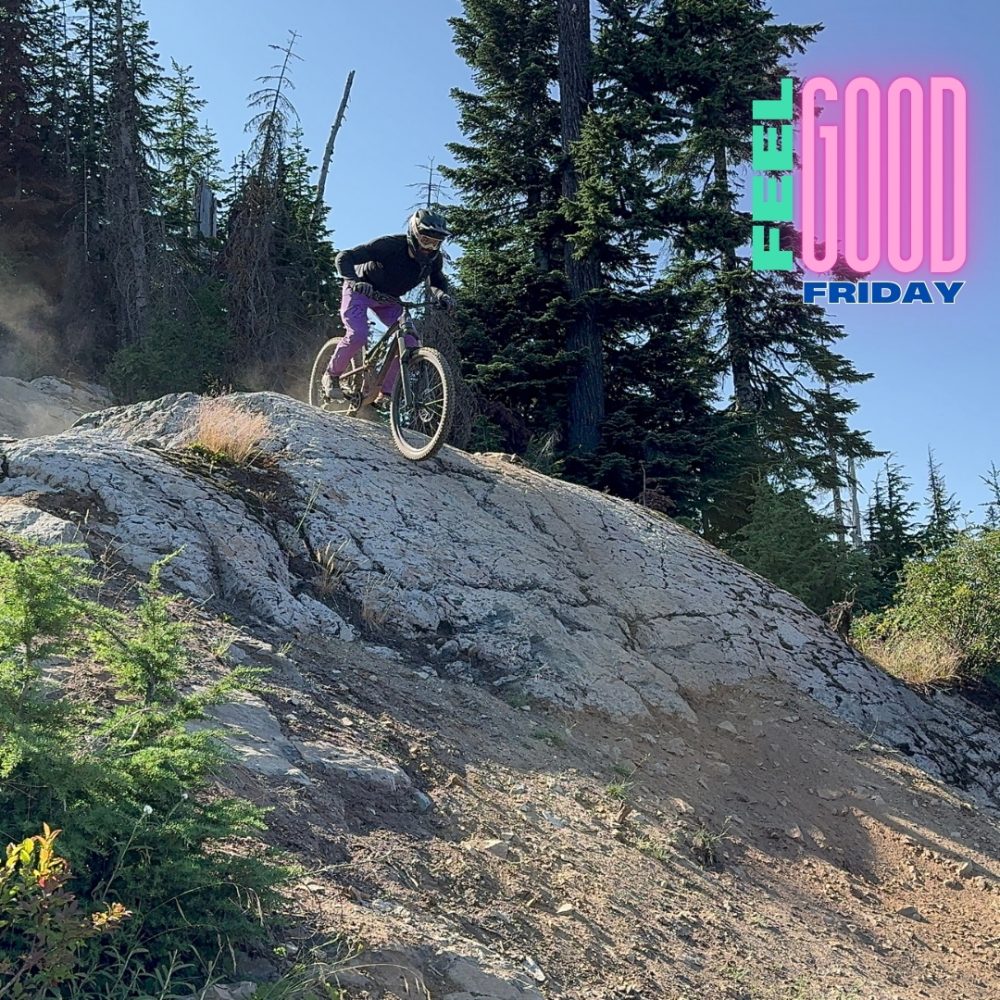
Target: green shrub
(187, 349)
(129, 786)
(788, 542)
(953, 600)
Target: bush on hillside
(129, 784)
(187, 349)
(952, 602)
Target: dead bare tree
(255, 215)
(328, 152)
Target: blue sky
(935, 366)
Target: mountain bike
(423, 400)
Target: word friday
(888, 180)
(881, 292)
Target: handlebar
(384, 297)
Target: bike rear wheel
(351, 385)
(421, 428)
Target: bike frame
(398, 330)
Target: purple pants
(354, 312)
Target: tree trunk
(127, 238)
(747, 400)
(852, 478)
(328, 152)
(839, 526)
(576, 91)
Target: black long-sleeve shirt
(387, 265)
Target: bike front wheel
(420, 427)
(351, 385)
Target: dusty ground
(767, 853)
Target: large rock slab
(45, 405)
(584, 599)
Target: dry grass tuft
(378, 600)
(918, 660)
(333, 566)
(226, 431)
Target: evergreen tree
(278, 262)
(110, 126)
(56, 73)
(941, 529)
(128, 244)
(255, 214)
(507, 177)
(187, 153)
(893, 536)
(789, 543)
(521, 229)
(91, 47)
(992, 481)
(304, 251)
(704, 62)
(580, 261)
(21, 144)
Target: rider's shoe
(330, 385)
(377, 411)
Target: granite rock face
(45, 405)
(581, 599)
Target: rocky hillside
(539, 742)
(45, 405)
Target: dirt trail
(767, 852)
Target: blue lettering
(813, 290)
(949, 290)
(880, 292)
(842, 291)
(917, 291)
(885, 291)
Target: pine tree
(992, 481)
(662, 367)
(21, 153)
(91, 45)
(660, 436)
(705, 61)
(255, 214)
(277, 259)
(304, 251)
(893, 536)
(187, 153)
(110, 126)
(580, 261)
(941, 529)
(510, 273)
(789, 543)
(33, 80)
(128, 244)
(56, 73)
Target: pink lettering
(815, 261)
(897, 191)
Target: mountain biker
(388, 266)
